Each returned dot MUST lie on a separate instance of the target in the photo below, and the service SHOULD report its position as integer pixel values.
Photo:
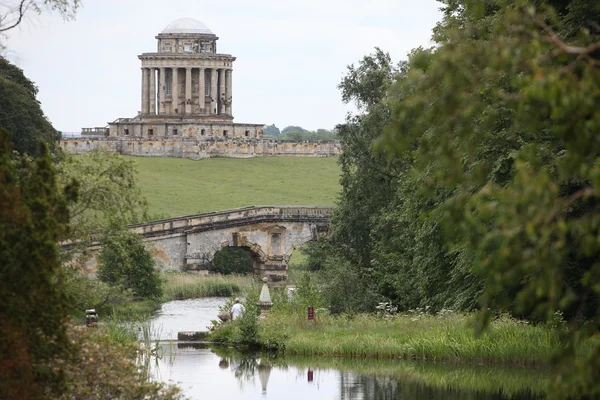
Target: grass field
(175, 186)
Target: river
(218, 372)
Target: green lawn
(175, 186)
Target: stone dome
(187, 25)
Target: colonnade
(168, 98)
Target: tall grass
(181, 286)
(448, 337)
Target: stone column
(229, 92)
(144, 91)
(175, 91)
(161, 90)
(201, 91)
(213, 91)
(222, 91)
(152, 94)
(188, 90)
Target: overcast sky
(291, 54)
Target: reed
(181, 286)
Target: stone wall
(198, 149)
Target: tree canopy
(471, 172)
(35, 309)
(20, 112)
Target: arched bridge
(270, 233)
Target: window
(150, 131)
(247, 133)
(187, 48)
(202, 131)
(174, 131)
(126, 131)
(225, 133)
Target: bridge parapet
(237, 216)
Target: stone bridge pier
(269, 233)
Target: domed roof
(187, 25)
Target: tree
(503, 125)
(367, 178)
(33, 218)
(271, 130)
(289, 129)
(12, 14)
(110, 194)
(20, 112)
(125, 262)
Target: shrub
(125, 262)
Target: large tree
(20, 111)
(33, 218)
(503, 126)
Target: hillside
(175, 186)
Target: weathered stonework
(186, 107)
(199, 149)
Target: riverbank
(447, 337)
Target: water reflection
(222, 372)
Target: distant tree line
(298, 134)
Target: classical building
(187, 106)
(187, 88)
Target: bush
(125, 262)
(232, 260)
(344, 290)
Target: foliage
(20, 112)
(232, 260)
(316, 251)
(111, 196)
(33, 218)
(243, 330)
(125, 262)
(308, 136)
(496, 134)
(86, 293)
(344, 290)
(271, 130)
(292, 128)
(247, 322)
(103, 368)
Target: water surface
(216, 372)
